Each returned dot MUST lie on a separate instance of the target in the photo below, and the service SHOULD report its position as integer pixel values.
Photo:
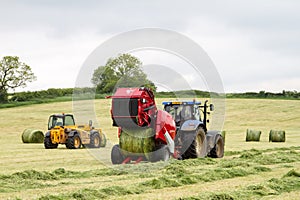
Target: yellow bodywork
(59, 135)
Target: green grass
(248, 170)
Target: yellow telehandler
(62, 130)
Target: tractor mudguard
(72, 133)
(94, 132)
(211, 139)
(47, 134)
(190, 125)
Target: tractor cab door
(55, 121)
(69, 120)
(186, 113)
(196, 113)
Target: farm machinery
(148, 134)
(62, 130)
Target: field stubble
(241, 169)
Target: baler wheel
(116, 155)
(218, 150)
(161, 154)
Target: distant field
(28, 171)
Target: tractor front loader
(62, 130)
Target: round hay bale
(223, 133)
(103, 140)
(137, 141)
(276, 136)
(148, 146)
(253, 135)
(32, 136)
(125, 143)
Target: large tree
(122, 71)
(13, 74)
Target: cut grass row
(273, 187)
(176, 174)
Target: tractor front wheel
(48, 143)
(116, 155)
(197, 148)
(218, 150)
(74, 142)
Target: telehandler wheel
(74, 142)
(218, 150)
(95, 141)
(161, 154)
(197, 149)
(116, 155)
(48, 144)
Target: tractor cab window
(186, 113)
(69, 121)
(55, 121)
(58, 121)
(170, 110)
(196, 113)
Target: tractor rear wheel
(161, 154)
(74, 142)
(197, 148)
(116, 155)
(48, 143)
(218, 150)
(95, 141)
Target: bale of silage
(137, 141)
(103, 140)
(223, 133)
(148, 146)
(252, 135)
(277, 136)
(32, 136)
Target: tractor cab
(60, 120)
(182, 111)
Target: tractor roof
(181, 103)
(61, 115)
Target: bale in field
(253, 135)
(277, 136)
(223, 133)
(103, 140)
(32, 136)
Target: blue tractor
(193, 140)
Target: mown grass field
(252, 170)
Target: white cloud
(252, 43)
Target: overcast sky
(255, 45)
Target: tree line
(122, 71)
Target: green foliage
(266, 95)
(43, 94)
(13, 74)
(51, 95)
(185, 93)
(123, 71)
